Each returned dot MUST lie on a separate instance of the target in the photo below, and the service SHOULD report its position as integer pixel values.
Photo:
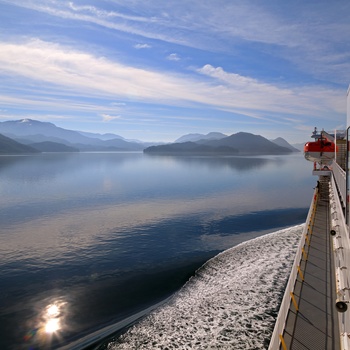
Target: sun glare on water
(51, 325)
(52, 317)
(53, 310)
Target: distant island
(32, 136)
(242, 143)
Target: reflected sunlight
(53, 310)
(50, 326)
(53, 316)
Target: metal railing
(284, 308)
(341, 252)
(340, 179)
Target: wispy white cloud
(173, 57)
(142, 46)
(312, 36)
(194, 23)
(297, 100)
(108, 118)
(94, 12)
(81, 73)
(150, 26)
(118, 104)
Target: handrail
(340, 179)
(284, 308)
(341, 252)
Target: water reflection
(52, 317)
(48, 323)
(236, 163)
(47, 166)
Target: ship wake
(231, 303)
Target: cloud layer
(246, 61)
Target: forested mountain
(241, 143)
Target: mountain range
(28, 136)
(242, 143)
(198, 137)
(37, 134)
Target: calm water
(88, 239)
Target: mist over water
(97, 237)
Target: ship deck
(312, 321)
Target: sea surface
(88, 239)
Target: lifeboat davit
(322, 150)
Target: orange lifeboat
(322, 150)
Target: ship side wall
(348, 108)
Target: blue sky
(156, 70)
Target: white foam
(231, 302)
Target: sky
(155, 70)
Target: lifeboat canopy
(322, 150)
